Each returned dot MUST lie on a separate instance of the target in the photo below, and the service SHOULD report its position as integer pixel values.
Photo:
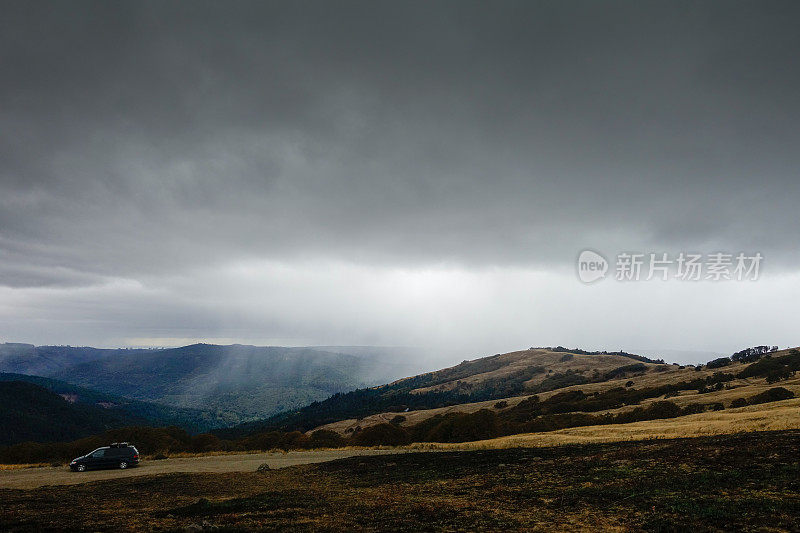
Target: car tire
(80, 468)
(123, 465)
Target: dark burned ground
(740, 482)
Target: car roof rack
(119, 445)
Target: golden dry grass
(22, 466)
(773, 416)
(657, 375)
(523, 359)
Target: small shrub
(778, 375)
(694, 408)
(636, 368)
(263, 467)
(738, 402)
(501, 405)
(325, 438)
(629, 384)
(381, 435)
(160, 456)
(775, 394)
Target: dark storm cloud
(144, 138)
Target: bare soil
(30, 478)
(746, 482)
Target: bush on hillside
(636, 368)
(749, 355)
(775, 394)
(719, 363)
(775, 366)
(325, 438)
(380, 435)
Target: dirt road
(29, 478)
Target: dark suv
(118, 455)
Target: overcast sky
(396, 173)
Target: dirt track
(29, 478)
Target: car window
(98, 453)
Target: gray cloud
(139, 140)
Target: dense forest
(193, 420)
(32, 413)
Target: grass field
(656, 375)
(720, 483)
(774, 416)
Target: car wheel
(81, 468)
(123, 464)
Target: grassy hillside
(772, 416)
(619, 391)
(239, 382)
(33, 413)
(193, 420)
(488, 378)
(608, 384)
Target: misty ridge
(237, 383)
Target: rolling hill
(629, 394)
(488, 378)
(540, 389)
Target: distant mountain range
(215, 385)
(22, 358)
